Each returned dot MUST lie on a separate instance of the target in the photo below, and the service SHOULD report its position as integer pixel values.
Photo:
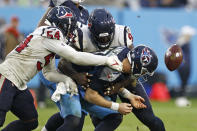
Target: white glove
(61, 89)
(73, 90)
(114, 63)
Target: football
(173, 57)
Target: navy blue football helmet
(102, 27)
(63, 18)
(143, 61)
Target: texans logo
(145, 57)
(62, 13)
(66, 15)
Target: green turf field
(175, 119)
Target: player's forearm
(125, 93)
(117, 86)
(50, 73)
(55, 76)
(94, 98)
(70, 54)
(125, 82)
(83, 58)
(65, 67)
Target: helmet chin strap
(143, 72)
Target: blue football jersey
(104, 76)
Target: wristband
(125, 93)
(115, 106)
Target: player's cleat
(182, 102)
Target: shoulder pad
(128, 38)
(49, 32)
(125, 37)
(85, 10)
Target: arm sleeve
(70, 54)
(51, 74)
(94, 98)
(125, 93)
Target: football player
(34, 54)
(102, 33)
(142, 61)
(134, 65)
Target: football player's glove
(114, 63)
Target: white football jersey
(23, 63)
(37, 52)
(83, 42)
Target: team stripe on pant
(2, 81)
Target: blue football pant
(146, 116)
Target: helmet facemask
(102, 28)
(103, 40)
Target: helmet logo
(62, 13)
(145, 58)
(66, 15)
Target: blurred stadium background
(151, 22)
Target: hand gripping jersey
(107, 74)
(37, 51)
(103, 75)
(83, 41)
